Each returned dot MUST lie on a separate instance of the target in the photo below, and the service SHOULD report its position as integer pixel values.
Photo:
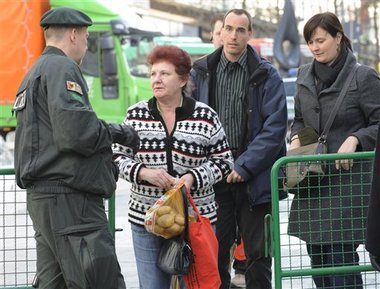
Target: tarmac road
(123, 239)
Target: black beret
(64, 16)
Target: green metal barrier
(292, 268)
(17, 244)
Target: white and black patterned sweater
(197, 145)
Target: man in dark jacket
(63, 159)
(249, 96)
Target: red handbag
(203, 272)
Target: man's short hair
(240, 12)
(216, 18)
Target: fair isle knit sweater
(197, 145)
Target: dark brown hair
(327, 21)
(216, 18)
(240, 12)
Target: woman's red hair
(173, 54)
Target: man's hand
(125, 135)
(234, 177)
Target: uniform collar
(53, 50)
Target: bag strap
(343, 92)
(191, 201)
(185, 234)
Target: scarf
(326, 74)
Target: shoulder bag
(305, 174)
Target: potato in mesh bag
(166, 217)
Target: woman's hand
(348, 146)
(187, 180)
(157, 177)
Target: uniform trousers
(75, 248)
(234, 208)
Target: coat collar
(183, 112)
(306, 76)
(53, 50)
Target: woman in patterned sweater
(180, 140)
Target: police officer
(63, 159)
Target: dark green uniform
(63, 159)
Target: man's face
(216, 38)
(81, 43)
(235, 35)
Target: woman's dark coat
(337, 211)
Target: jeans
(234, 208)
(334, 255)
(147, 247)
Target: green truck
(114, 67)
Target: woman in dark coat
(331, 218)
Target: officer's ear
(73, 33)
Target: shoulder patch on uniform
(73, 86)
(20, 101)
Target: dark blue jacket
(265, 125)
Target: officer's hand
(125, 135)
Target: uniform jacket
(197, 145)
(60, 145)
(358, 115)
(264, 125)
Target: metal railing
(17, 243)
(302, 218)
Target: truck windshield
(136, 51)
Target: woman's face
(324, 47)
(165, 82)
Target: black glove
(115, 171)
(125, 135)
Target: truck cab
(114, 66)
(116, 69)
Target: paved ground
(124, 245)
